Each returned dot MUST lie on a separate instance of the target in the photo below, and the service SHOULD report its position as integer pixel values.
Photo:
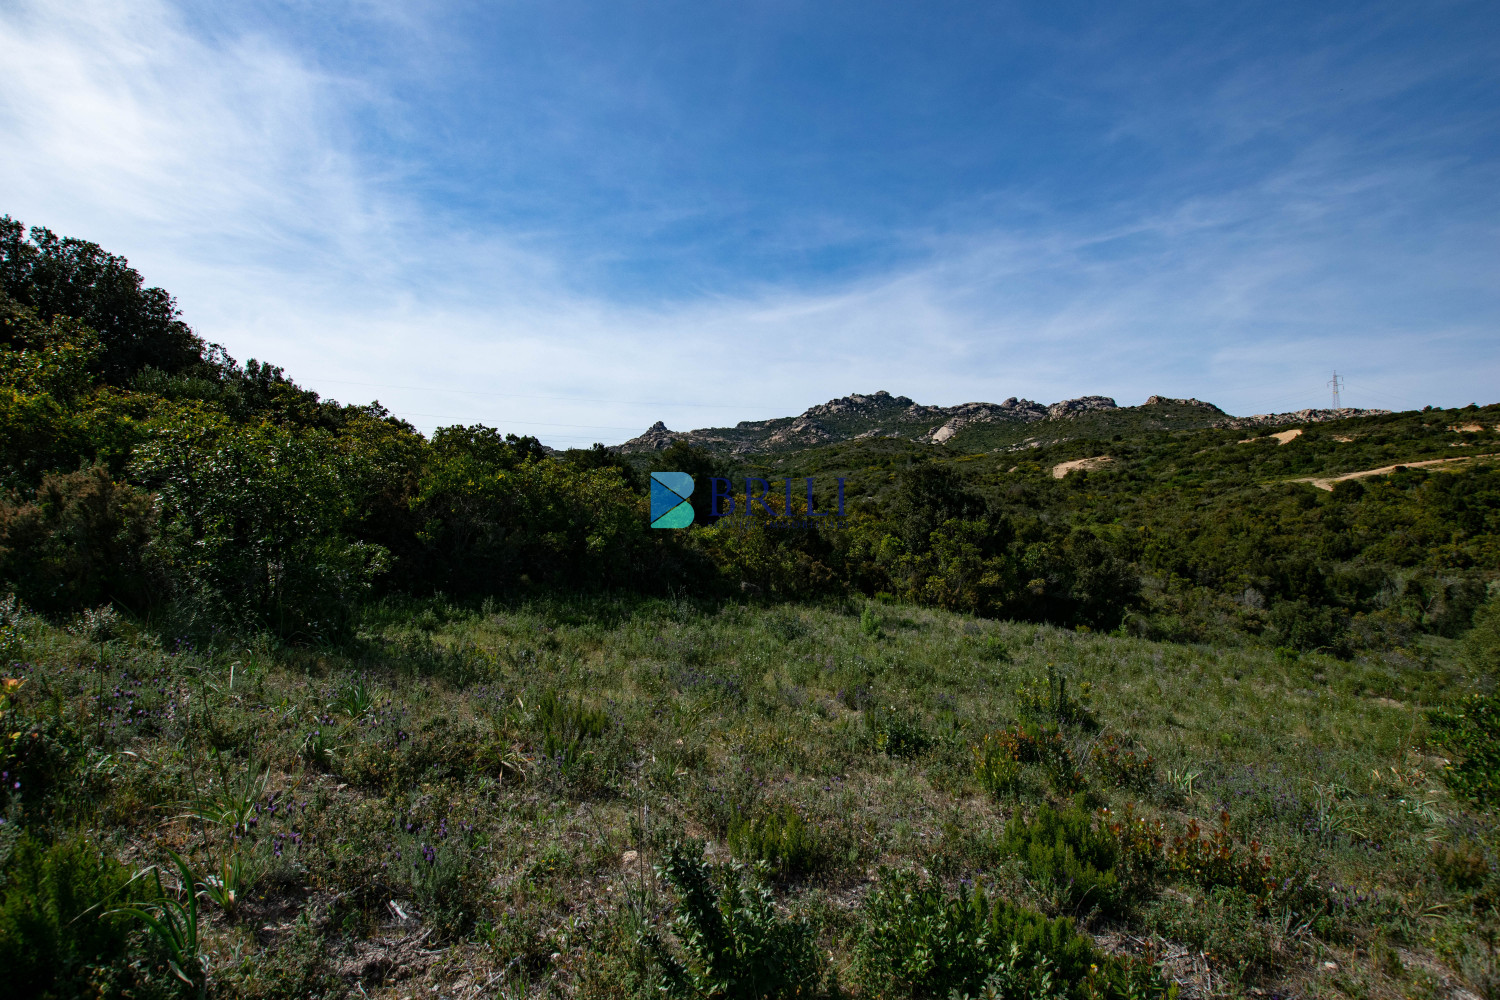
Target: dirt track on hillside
(1326, 482)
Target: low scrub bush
(1225, 925)
(996, 765)
(782, 839)
(917, 941)
(1068, 852)
(54, 939)
(436, 869)
(896, 733)
(299, 968)
(1049, 701)
(733, 942)
(1123, 765)
(1216, 860)
(1471, 733)
(565, 726)
(999, 756)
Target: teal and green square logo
(670, 507)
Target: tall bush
(253, 524)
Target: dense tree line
(145, 467)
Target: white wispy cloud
(228, 166)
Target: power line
(522, 395)
(528, 423)
(1335, 383)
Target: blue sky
(574, 219)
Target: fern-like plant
(734, 945)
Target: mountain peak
(862, 416)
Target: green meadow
(514, 801)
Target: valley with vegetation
(1079, 700)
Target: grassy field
(478, 803)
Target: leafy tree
(137, 326)
(254, 524)
(600, 457)
(927, 495)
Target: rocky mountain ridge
(882, 415)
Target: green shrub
(80, 542)
(255, 526)
(999, 756)
(896, 733)
(734, 943)
(1123, 765)
(568, 732)
(1471, 733)
(996, 765)
(1051, 701)
(1462, 866)
(298, 969)
(54, 938)
(780, 838)
(1482, 643)
(918, 942)
(1067, 851)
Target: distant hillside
(1015, 423)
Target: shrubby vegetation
(149, 469)
(295, 701)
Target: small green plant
(781, 839)
(1015, 978)
(896, 733)
(995, 765)
(734, 944)
(1182, 780)
(1224, 922)
(1070, 854)
(998, 758)
(1334, 813)
(229, 802)
(916, 941)
(1462, 866)
(173, 922)
(1215, 858)
(870, 622)
(228, 807)
(994, 649)
(1051, 701)
(226, 887)
(354, 699)
(567, 726)
(438, 869)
